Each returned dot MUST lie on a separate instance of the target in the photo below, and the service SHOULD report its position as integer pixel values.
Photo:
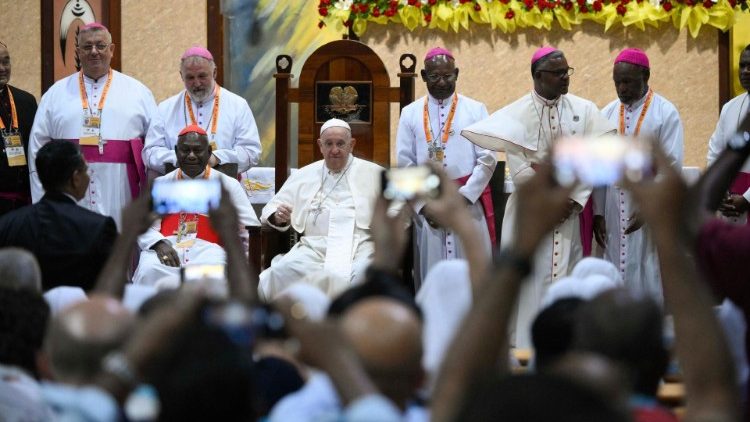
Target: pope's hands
(283, 215)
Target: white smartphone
(601, 161)
(194, 196)
(405, 183)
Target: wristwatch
(739, 140)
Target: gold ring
(164, 257)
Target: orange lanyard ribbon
(13, 115)
(214, 112)
(85, 96)
(646, 104)
(448, 123)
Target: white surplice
(462, 158)
(544, 120)
(635, 254)
(236, 138)
(325, 207)
(129, 111)
(150, 269)
(729, 120)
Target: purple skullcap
(633, 56)
(437, 51)
(93, 25)
(197, 51)
(541, 52)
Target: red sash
(489, 210)
(126, 152)
(170, 222)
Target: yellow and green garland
(511, 15)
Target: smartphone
(193, 196)
(405, 183)
(601, 161)
(197, 273)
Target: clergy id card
(14, 149)
(91, 131)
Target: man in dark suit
(17, 110)
(70, 242)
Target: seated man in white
(330, 202)
(182, 239)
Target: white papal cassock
(461, 159)
(729, 120)
(129, 111)
(543, 121)
(333, 212)
(236, 137)
(634, 254)
(200, 252)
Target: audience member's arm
(141, 353)
(242, 282)
(136, 219)
(700, 346)
(483, 335)
(389, 235)
(450, 211)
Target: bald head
(80, 336)
(19, 270)
(387, 336)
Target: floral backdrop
(510, 15)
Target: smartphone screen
(407, 182)
(193, 196)
(600, 161)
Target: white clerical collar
(72, 198)
(638, 103)
(544, 101)
(348, 163)
(435, 101)
(205, 100)
(199, 176)
(102, 78)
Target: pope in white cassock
(429, 131)
(638, 112)
(184, 238)
(735, 207)
(526, 130)
(330, 202)
(225, 116)
(108, 114)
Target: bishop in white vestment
(545, 113)
(108, 114)
(638, 112)
(331, 203)
(225, 116)
(429, 130)
(735, 207)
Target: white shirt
(236, 137)
(729, 120)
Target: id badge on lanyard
(91, 131)
(14, 148)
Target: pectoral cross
(316, 212)
(436, 152)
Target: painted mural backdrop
(256, 32)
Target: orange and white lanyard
(85, 96)
(205, 175)
(13, 115)
(214, 113)
(646, 104)
(448, 123)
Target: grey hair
(94, 29)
